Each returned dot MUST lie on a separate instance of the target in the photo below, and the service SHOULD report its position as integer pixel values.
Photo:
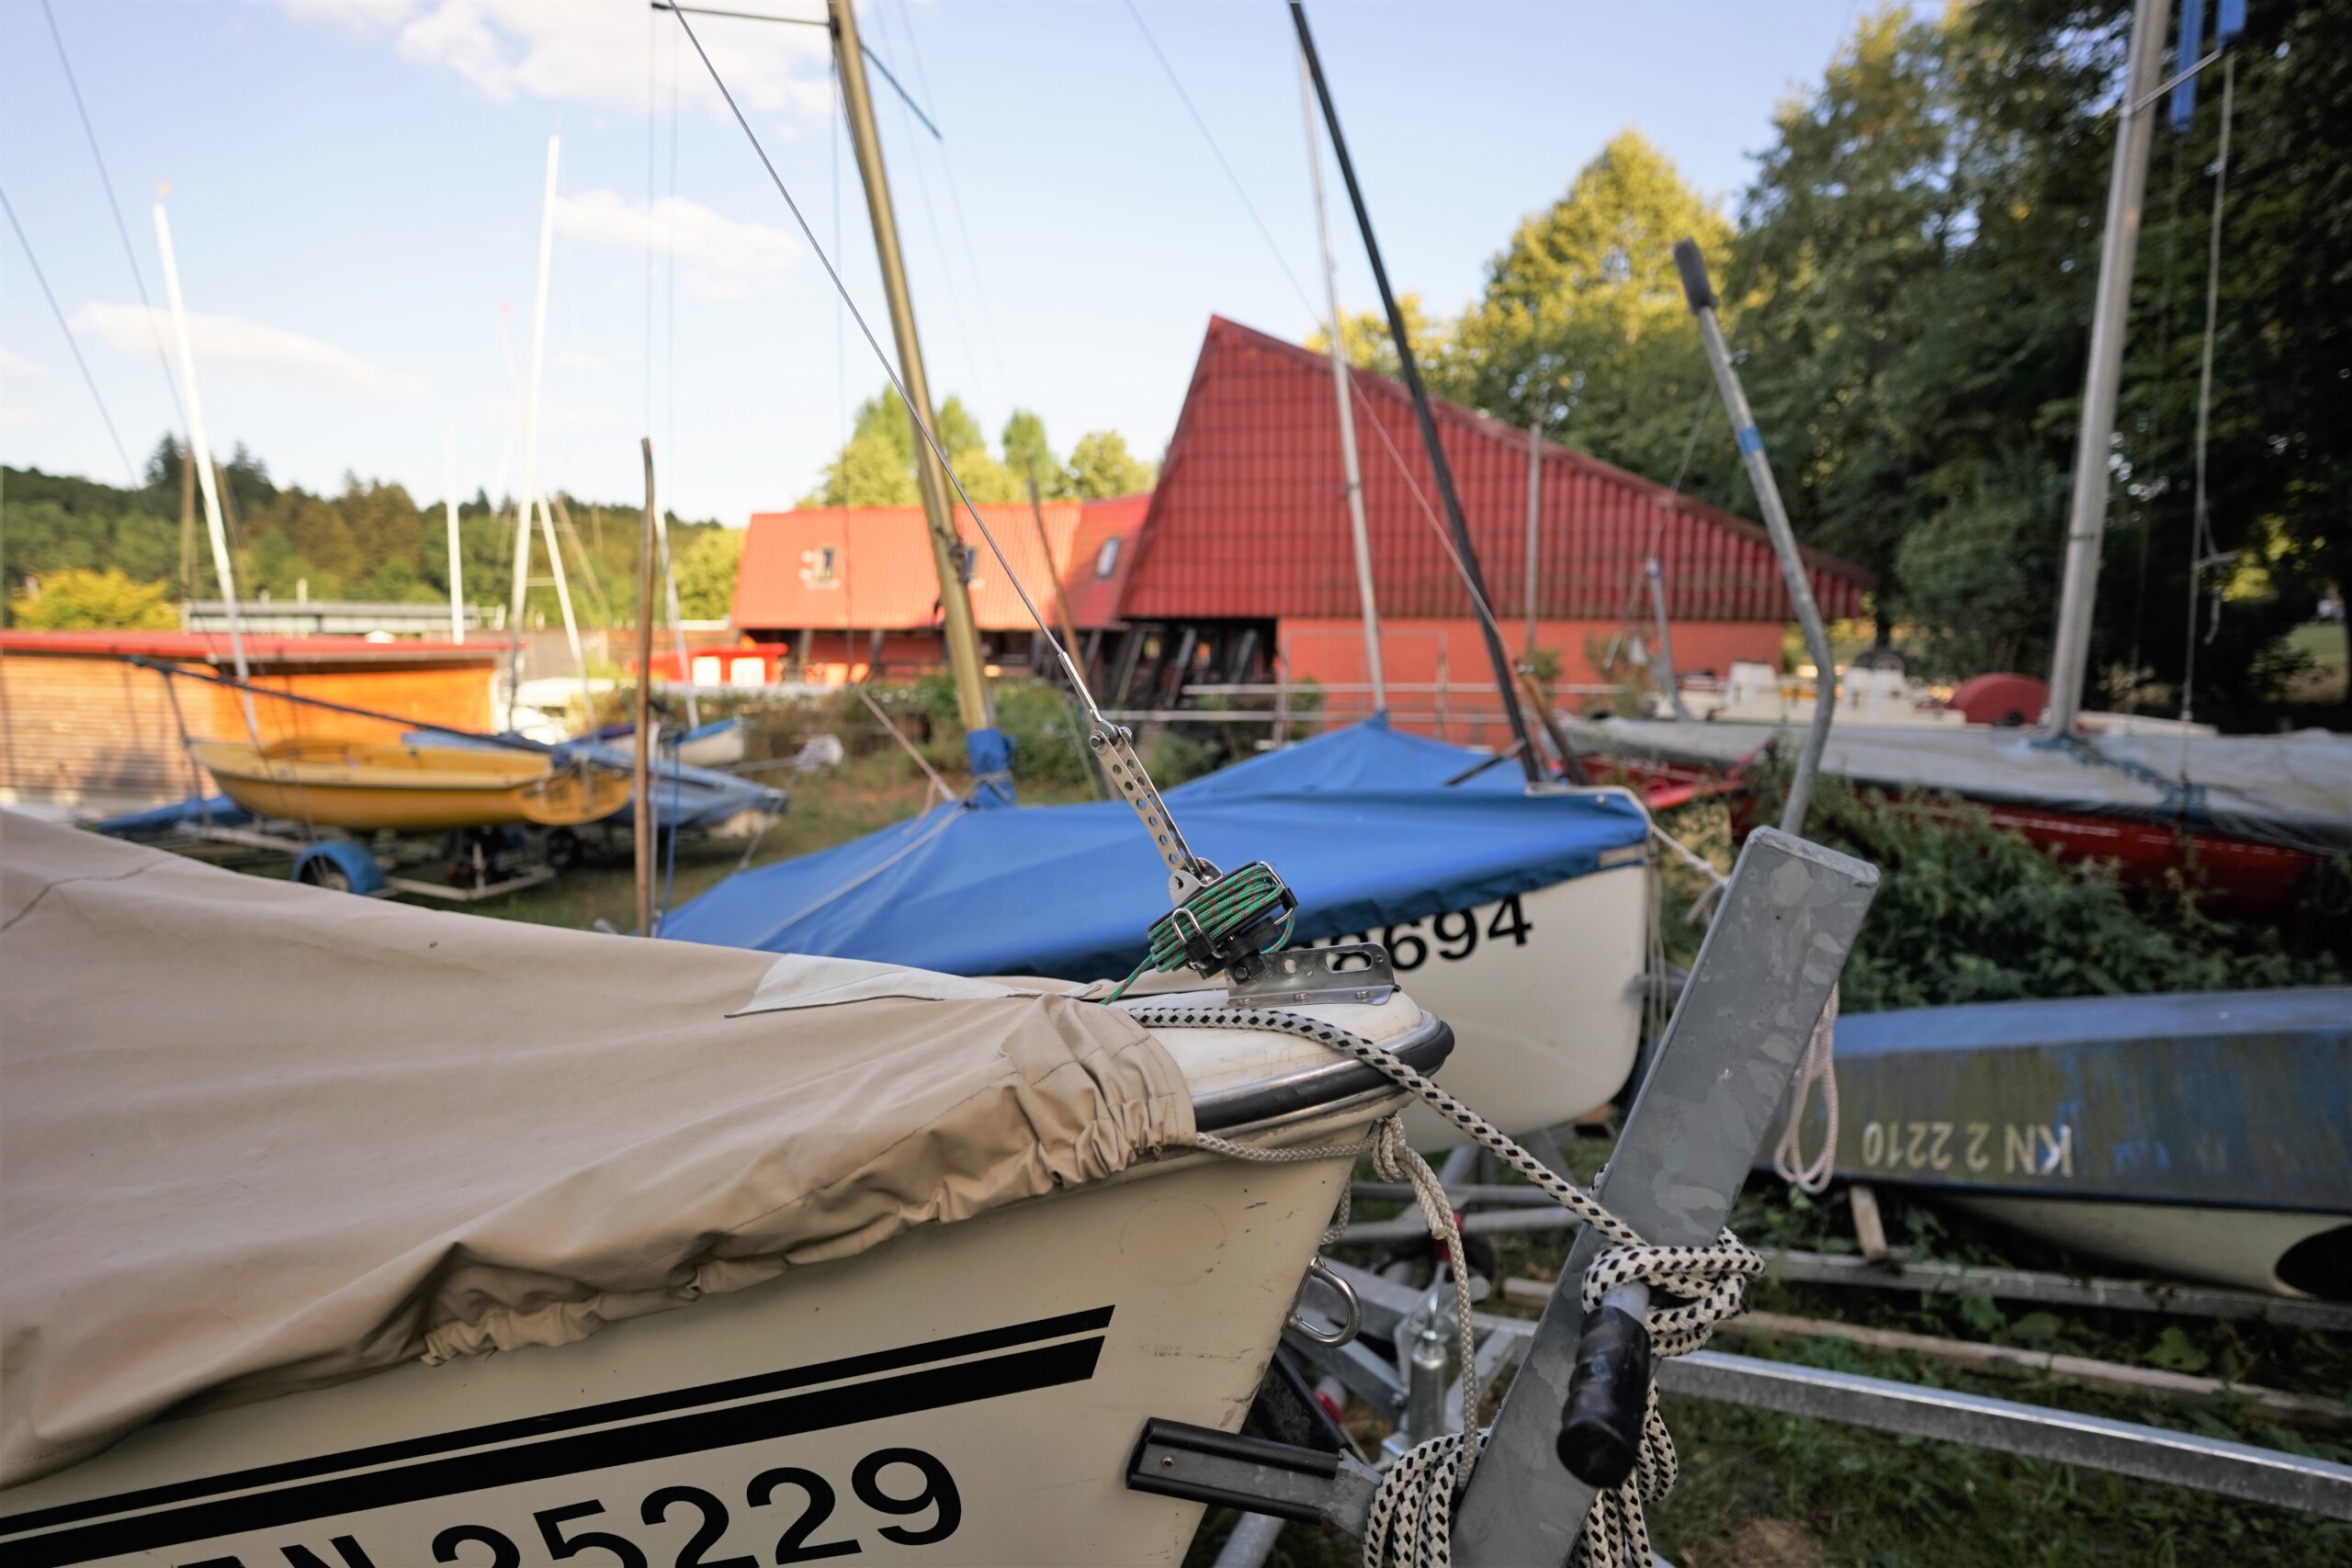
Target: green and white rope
(1224, 908)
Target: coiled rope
(1221, 910)
(1411, 1522)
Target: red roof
(1250, 517)
(870, 567)
(212, 648)
(1102, 558)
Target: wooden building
(83, 728)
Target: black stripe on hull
(553, 1421)
(699, 1431)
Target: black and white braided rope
(1411, 1519)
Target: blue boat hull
(2183, 1108)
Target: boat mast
(200, 452)
(640, 772)
(530, 491)
(1535, 520)
(677, 627)
(1504, 686)
(985, 745)
(1342, 392)
(2086, 516)
(456, 567)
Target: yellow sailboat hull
(373, 786)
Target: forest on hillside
(75, 552)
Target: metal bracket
(1173, 1458)
(1350, 972)
(1774, 950)
(1114, 748)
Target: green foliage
(78, 599)
(706, 571)
(370, 540)
(1582, 322)
(1369, 344)
(1029, 456)
(877, 467)
(1911, 282)
(1101, 465)
(1967, 912)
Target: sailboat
(404, 788)
(1526, 904)
(1526, 911)
(781, 1248)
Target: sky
(355, 200)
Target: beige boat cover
(256, 1137)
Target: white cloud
(19, 419)
(721, 256)
(18, 366)
(591, 52)
(232, 344)
(588, 362)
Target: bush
(75, 599)
(1969, 912)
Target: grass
(1759, 1490)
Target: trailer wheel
(340, 866)
(321, 872)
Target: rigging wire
(2155, 425)
(938, 245)
(105, 184)
(1658, 533)
(1235, 180)
(87, 380)
(2204, 551)
(652, 122)
(669, 282)
(964, 228)
(922, 424)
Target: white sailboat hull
(1545, 1002)
(2242, 1248)
(1002, 1367)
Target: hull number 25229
(577, 1529)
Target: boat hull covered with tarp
(793, 1250)
(1521, 916)
(2207, 1136)
(2254, 816)
(686, 798)
(407, 788)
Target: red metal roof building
(1246, 543)
(836, 591)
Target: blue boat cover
(159, 821)
(1359, 822)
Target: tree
(1031, 459)
(1101, 465)
(1582, 321)
(877, 466)
(76, 599)
(1853, 229)
(1369, 344)
(1921, 244)
(706, 571)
